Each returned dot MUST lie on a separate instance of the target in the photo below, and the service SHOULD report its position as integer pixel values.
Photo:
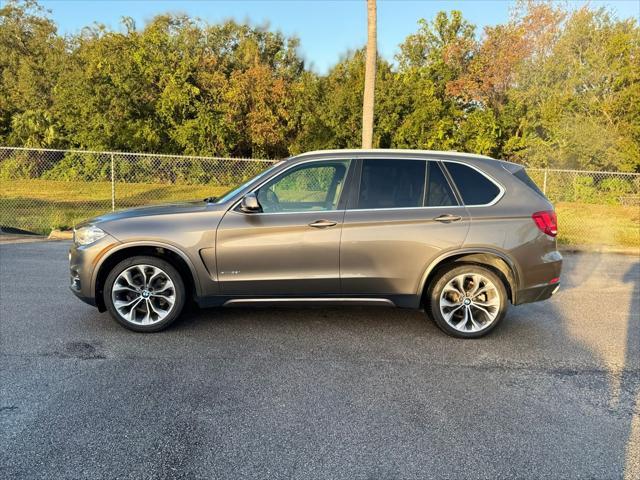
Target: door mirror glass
(250, 204)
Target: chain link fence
(44, 189)
(594, 208)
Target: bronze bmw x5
(460, 236)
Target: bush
(81, 166)
(25, 164)
(584, 189)
(614, 188)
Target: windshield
(231, 193)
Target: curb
(60, 235)
(599, 249)
(11, 238)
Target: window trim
(496, 199)
(340, 207)
(351, 190)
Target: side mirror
(250, 204)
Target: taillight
(547, 222)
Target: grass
(41, 205)
(593, 224)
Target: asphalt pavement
(340, 393)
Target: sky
(327, 29)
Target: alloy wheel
(143, 294)
(470, 302)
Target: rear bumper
(540, 275)
(536, 294)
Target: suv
(458, 235)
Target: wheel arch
(499, 262)
(169, 253)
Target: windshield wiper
(210, 199)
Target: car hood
(164, 209)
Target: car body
(375, 227)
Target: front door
(290, 247)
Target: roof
(360, 151)
(405, 152)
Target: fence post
(544, 183)
(113, 185)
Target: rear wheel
(467, 301)
(145, 294)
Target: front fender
(153, 244)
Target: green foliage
(80, 166)
(549, 88)
(584, 189)
(25, 164)
(18, 166)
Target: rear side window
(521, 175)
(438, 193)
(392, 183)
(474, 187)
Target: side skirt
(402, 301)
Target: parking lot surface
(353, 393)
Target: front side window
(231, 193)
(391, 184)
(474, 187)
(308, 187)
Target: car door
(401, 217)
(291, 246)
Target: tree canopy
(551, 87)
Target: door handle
(322, 224)
(447, 218)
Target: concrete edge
(11, 238)
(60, 235)
(599, 249)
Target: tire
(467, 301)
(152, 285)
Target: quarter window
(309, 187)
(391, 183)
(474, 187)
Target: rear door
(402, 215)
(292, 246)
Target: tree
(579, 98)
(438, 53)
(370, 77)
(31, 59)
(550, 88)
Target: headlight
(87, 235)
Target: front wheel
(467, 301)
(145, 294)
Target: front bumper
(88, 300)
(82, 264)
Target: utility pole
(369, 77)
